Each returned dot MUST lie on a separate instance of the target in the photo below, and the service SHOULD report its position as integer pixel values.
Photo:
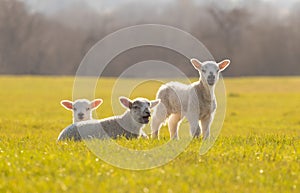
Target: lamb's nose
(147, 112)
(212, 76)
(80, 114)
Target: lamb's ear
(67, 104)
(196, 63)
(96, 103)
(154, 103)
(224, 64)
(125, 102)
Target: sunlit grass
(257, 151)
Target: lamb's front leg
(143, 135)
(194, 126)
(205, 126)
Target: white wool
(129, 125)
(196, 102)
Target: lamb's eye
(87, 109)
(135, 107)
(204, 71)
(74, 109)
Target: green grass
(257, 150)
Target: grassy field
(258, 149)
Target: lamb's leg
(205, 125)
(194, 126)
(143, 135)
(158, 117)
(173, 125)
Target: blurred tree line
(259, 38)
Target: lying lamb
(195, 102)
(128, 125)
(82, 108)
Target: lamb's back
(173, 96)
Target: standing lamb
(82, 108)
(129, 125)
(196, 101)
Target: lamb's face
(210, 70)
(82, 108)
(140, 109)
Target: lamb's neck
(209, 90)
(212, 92)
(207, 86)
(133, 126)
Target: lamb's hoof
(196, 135)
(175, 138)
(154, 136)
(144, 137)
(206, 138)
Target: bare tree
(258, 38)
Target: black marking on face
(135, 105)
(141, 109)
(80, 116)
(211, 79)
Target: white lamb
(82, 108)
(196, 101)
(129, 125)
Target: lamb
(82, 108)
(196, 101)
(129, 125)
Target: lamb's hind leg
(173, 125)
(158, 117)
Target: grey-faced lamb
(82, 108)
(129, 125)
(196, 101)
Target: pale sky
(50, 6)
